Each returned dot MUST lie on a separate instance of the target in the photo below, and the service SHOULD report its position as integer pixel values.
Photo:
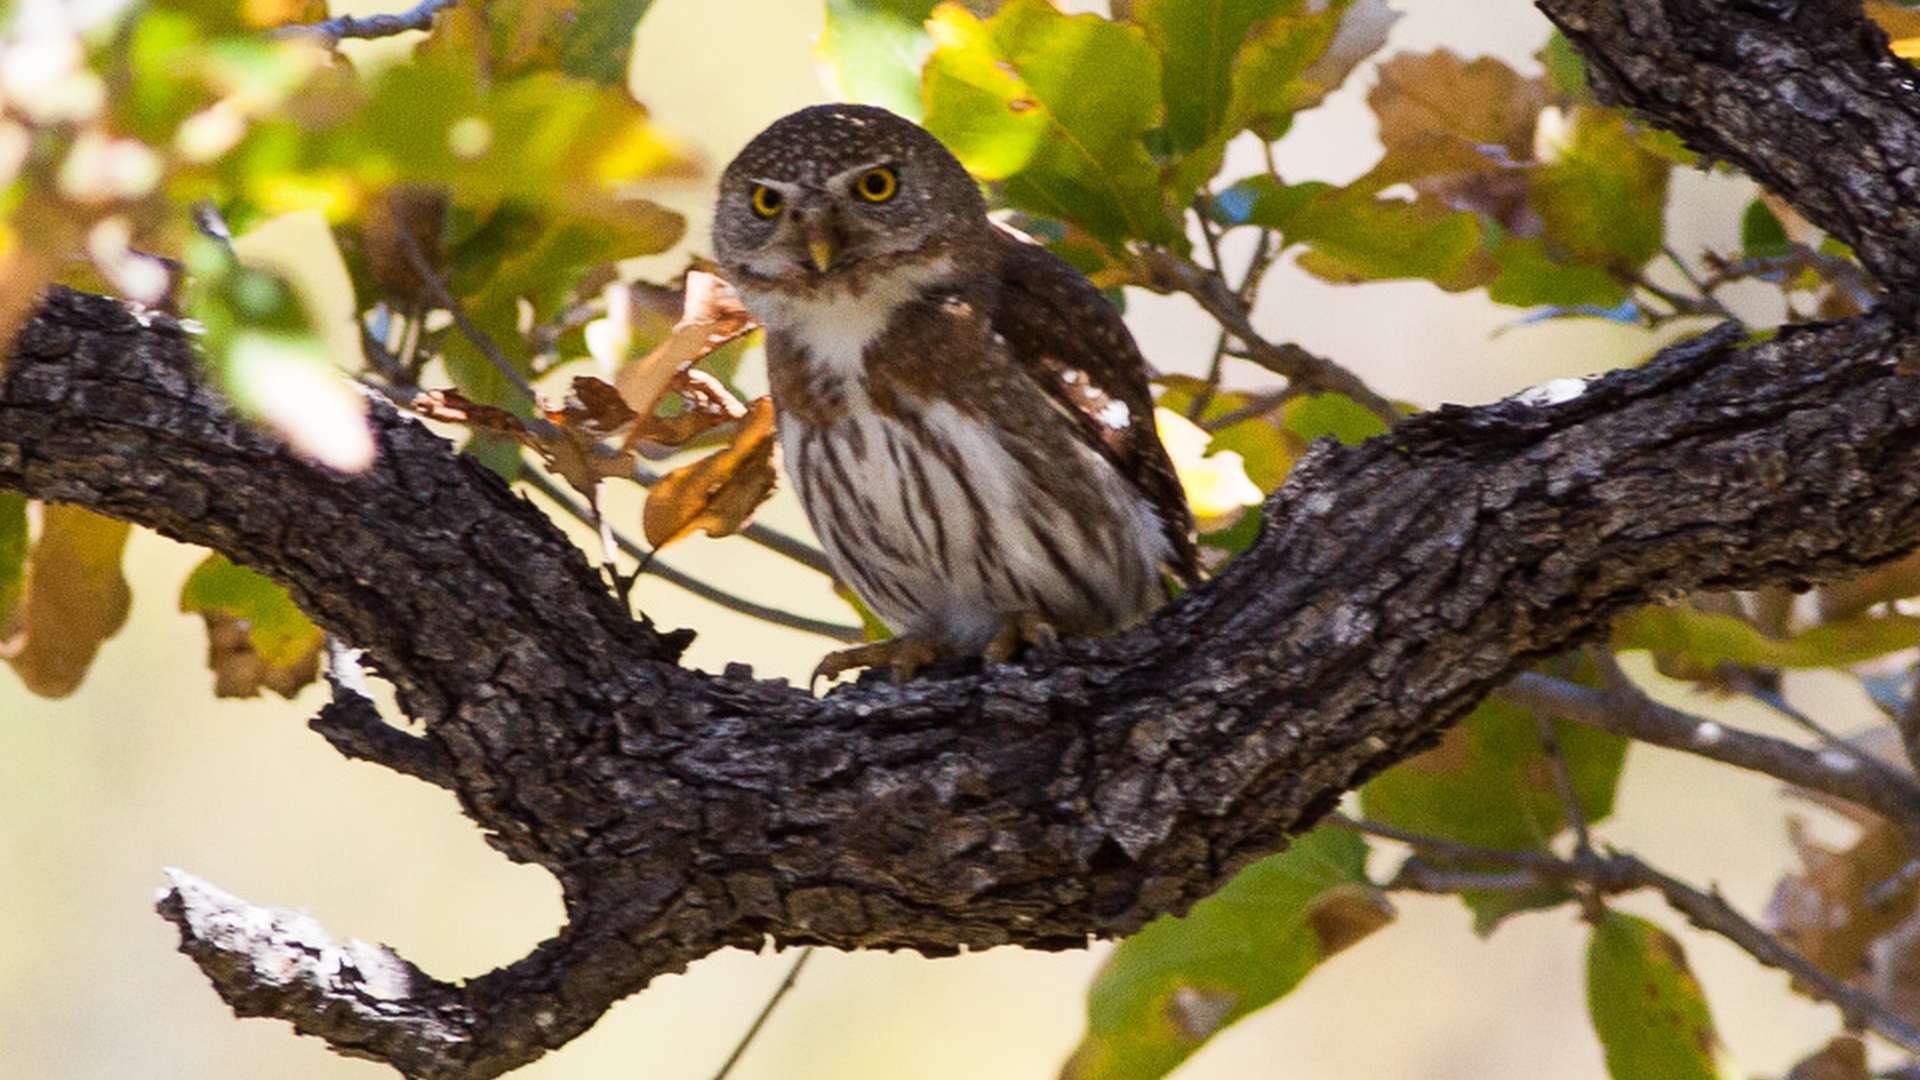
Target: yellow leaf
(256, 636)
(719, 492)
(1216, 484)
(74, 599)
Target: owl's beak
(821, 246)
(822, 241)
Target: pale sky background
(143, 769)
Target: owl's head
(840, 190)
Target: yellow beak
(821, 249)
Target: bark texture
(1394, 585)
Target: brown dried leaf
(1825, 913)
(594, 406)
(567, 438)
(239, 671)
(408, 215)
(706, 404)
(719, 492)
(1898, 20)
(453, 407)
(711, 317)
(1442, 116)
(1895, 963)
(1843, 1058)
(75, 598)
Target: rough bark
(1101, 784)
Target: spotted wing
(1066, 335)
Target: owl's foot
(905, 655)
(1026, 628)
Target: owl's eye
(877, 185)
(766, 201)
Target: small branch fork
(1164, 271)
(1614, 873)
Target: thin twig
(1265, 253)
(1215, 370)
(1163, 270)
(1616, 872)
(437, 290)
(1624, 709)
(1680, 264)
(841, 632)
(1531, 861)
(333, 31)
(786, 984)
(1563, 785)
(1710, 911)
(1253, 409)
(1776, 701)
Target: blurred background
(144, 769)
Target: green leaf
(13, 559)
(1357, 237)
(1489, 784)
(587, 39)
(1168, 989)
(1352, 235)
(596, 39)
(1054, 106)
(872, 51)
(1337, 415)
(1247, 65)
(279, 631)
(1531, 277)
(1566, 71)
(270, 359)
(1600, 193)
(1705, 639)
(1647, 1008)
(1761, 234)
(1200, 44)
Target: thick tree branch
(1394, 585)
(1802, 96)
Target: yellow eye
(766, 201)
(877, 185)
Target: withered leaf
(1830, 912)
(256, 636)
(712, 316)
(402, 230)
(1843, 1058)
(74, 598)
(719, 492)
(567, 438)
(706, 404)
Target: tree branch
(1393, 586)
(1625, 710)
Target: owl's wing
(1065, 334)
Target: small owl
(964, 417)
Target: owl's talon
(1025, 628)
(904, 656)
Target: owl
(964, 417)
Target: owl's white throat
(835, 323)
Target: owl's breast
(946, 527)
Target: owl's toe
(1024, 628)
(904, 656)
